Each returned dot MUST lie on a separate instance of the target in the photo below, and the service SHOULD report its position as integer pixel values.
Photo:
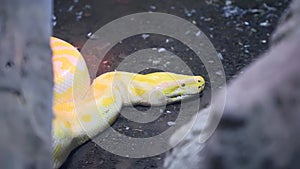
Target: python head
(171, 87)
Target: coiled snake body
(83, 110)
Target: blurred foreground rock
(26, 82)
(260, 125)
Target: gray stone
(26, 82)
(260, 124)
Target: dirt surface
(239, 30)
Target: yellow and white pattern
(83, 109)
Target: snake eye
(183, 84)
(199, 81)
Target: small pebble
(87, 6)
(189, 13)
(78, 15)
(198, 33)
(168, 112)
(145, 36)
(90, 35)
(152, 7)
(253, 30)
(265, 24)
(263, 41)
(70, 8)
(161, 50)
(155, 62)
(220, 56)
(105, 62)
(228, 2)
(207, 19)
(171, 123)
(219, 73)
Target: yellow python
(83, 110)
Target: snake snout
(200, 83)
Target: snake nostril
(183, 85)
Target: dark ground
(239, 30)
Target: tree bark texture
(26, 83)
(260, 125)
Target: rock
(260, 124)
(26, 84)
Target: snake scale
(82, 109)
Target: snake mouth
(193, 93)
(179, 98)
(201, 88)
(186, 96)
